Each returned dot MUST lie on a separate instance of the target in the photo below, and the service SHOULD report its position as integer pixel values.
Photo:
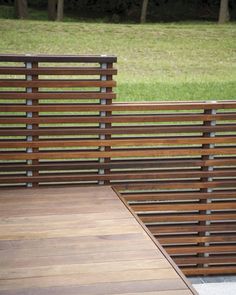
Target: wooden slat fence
(49, 105)
(174, 163)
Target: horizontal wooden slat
(195, 249)
(57, 95)
(184, 207)
(115, 130)
(177, 196)
(174, 185)
(56, 83)
(58, 58)
(199, 239)
(116, 154)
(150, 218)
(118, 142)
(111, 119)
(57, 71)
(156, 230)
(122, 176)
(230, 259)
(125, 164)
(114, 176)
(210, 270)
(113, 107)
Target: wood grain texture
(57, 71)
(89, 95)
(78, 241)
(56, 58)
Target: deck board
(78, 241)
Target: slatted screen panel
(174, 163)
(45, 111)
(181, 179)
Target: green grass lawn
(185, 61)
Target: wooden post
(105, 125)
(30, 102)
(207, 179)
(102, 125)
(29, 115)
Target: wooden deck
(79, 241)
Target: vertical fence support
(35, 126)
(102, 125)
(30, 102)
(28, 65)
(207, 179)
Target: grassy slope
(155, 61)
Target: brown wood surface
(118, 153)
(133, 107)
(128, 164)
(110, 119)
(56, 83)
(56, 58)
(78, 241)
(127, 176)
(57, 71)
(57, 95)
(115, 130)
(114, 142)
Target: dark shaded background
(129, 10)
